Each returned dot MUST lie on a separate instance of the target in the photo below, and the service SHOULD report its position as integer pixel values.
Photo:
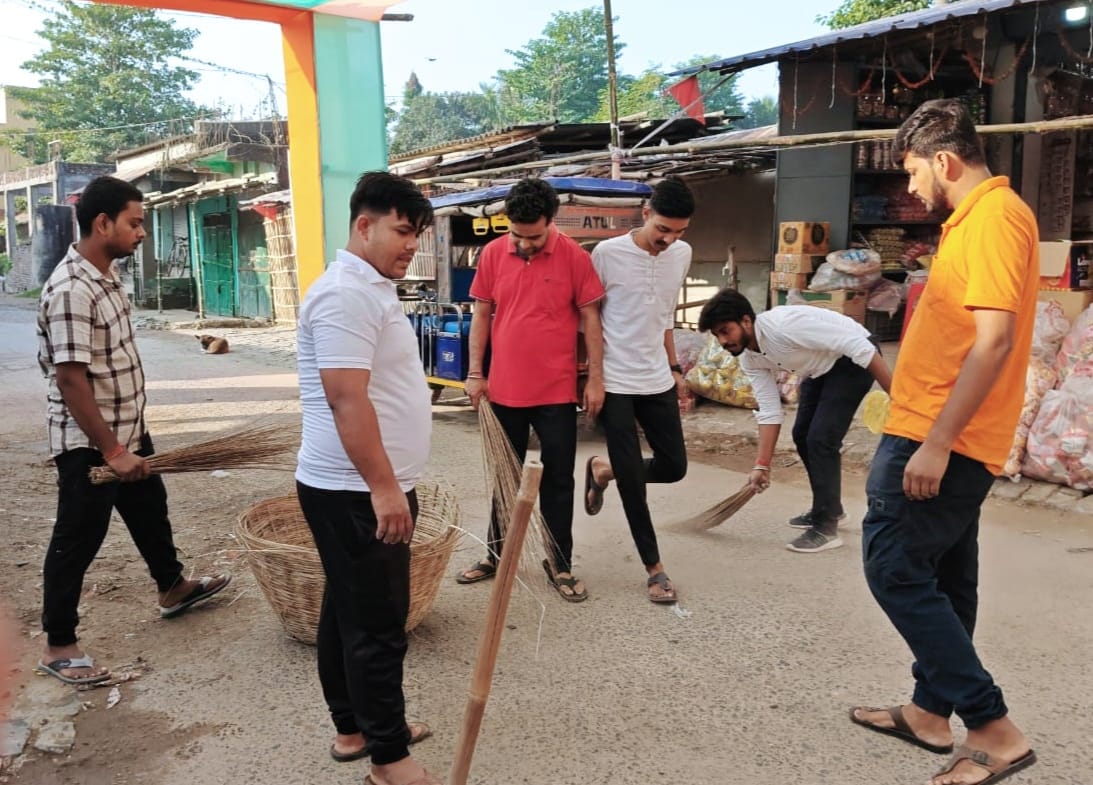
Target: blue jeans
(922, 565)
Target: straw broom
(719, 513)
(257, 447)
(495, 621)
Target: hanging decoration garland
(797, 110)
(979, 68)
(934, 65)
(864, 88)
(1073, 52)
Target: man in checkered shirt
(96, 416)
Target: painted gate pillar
(336, 110)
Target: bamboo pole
(495, 621)
(774, 142)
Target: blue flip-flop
(200, 593)
(55, 667)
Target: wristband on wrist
(475, 375)
(760, 468)
(117, 452)
(675, 368)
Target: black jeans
(362, 624)
(83, 518)
(556, 427)
(658, 416)
(824, 413)
(922, 565)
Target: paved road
(746, 682)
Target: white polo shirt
(801, 338)
(351, 318)
(641, 294)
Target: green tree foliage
(855, 12)
(105, 67)
(760, 112)
(560, 75)
(430, 119)
(641, 95)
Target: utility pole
(612, 93)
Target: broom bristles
(250, 448)
(718, 513)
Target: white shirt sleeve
(345, 326)
(765, 386)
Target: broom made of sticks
(257, 447)
(718, 513)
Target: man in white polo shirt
(642, 273)
(837, 361)
(366, 426)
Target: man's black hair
(728, 305)
(382, 192)
(943, 125)
(531, 199)
(107, 196)
(672, 198)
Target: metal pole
(612, 91)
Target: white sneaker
(813, 541)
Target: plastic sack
(886, 297)
(855, 261)
(1040, 377)
(1050, 329)
(689, 345)
(1060, 442)
(1076, 350)
(717, 375)
(828, 278)
(789, 386)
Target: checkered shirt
(83, 317)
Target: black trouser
(362, 624)
(658, 416)
(83, 518)
(556, 427)
(824, 413)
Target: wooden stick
(495, 621)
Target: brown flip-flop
(661, 579)
(569, 583)
(998, 768)
(900, 729)
(419, 731)
(593, 506)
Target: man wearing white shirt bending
(837, 361)
(642, 273)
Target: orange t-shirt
(988, 258)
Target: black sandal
(595, 504)
(569, 583)
(487, 569)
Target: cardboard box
(804, 237)
(1073, 302)
(796, 263)
(845, 301)
(1064, 265)
(789, 280)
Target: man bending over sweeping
(837, 361)
(96, 399)
(532, 289)
(367, 419)
(642, 272)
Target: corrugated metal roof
(909, 21)
(593, 186)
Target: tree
(105, 82)
(641, 95)
(560, 75)
(854, 12)
(434, 118)
(412, 89)
(760, 112)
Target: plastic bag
(1060, 442)
(886, 297)
(689, 345)
(789, 386)
(828, 278)
(1076, 350)
(1040, 377)
(855, 261)
(1051, 327)
(717, 375)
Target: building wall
(11, 121)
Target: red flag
(689, 97)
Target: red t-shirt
(533, 338)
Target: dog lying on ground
(213, 345)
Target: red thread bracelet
(117, 452)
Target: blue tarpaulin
(588, 186)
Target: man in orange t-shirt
(532, 290)
(957, 393)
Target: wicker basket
(283, 558)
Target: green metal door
(217, 274)
(254, 283)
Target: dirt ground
(745, 682)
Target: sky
(455, 46)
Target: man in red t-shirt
(532, 291)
